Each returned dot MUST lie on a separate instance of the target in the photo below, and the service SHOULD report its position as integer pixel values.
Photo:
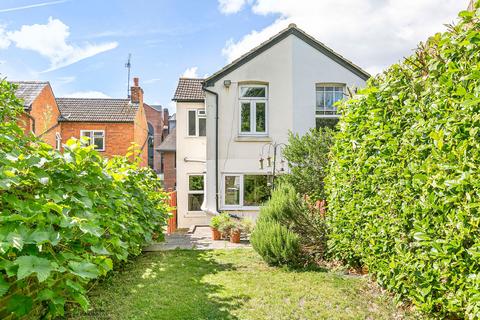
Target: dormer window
(253, 109)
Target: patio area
(200, 239)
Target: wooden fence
(172, 221)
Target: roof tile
(189, 90)
(28, 91)
(96, 110)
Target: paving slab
(199, 239)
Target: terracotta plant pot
(235, 237)
(216, 235)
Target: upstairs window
(327, 96)
(96, 138)
(253, 109)
(197, 123)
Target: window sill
(239, 208)
(253, 139)
(195, 214)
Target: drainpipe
(33, 121)
(216, 144)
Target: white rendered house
(288, 83)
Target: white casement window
(245, 191)
(96, 138)
(326, 96)
(197, 123)
(196, 192)
(58, 141)
(253, 109)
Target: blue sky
(81, 46)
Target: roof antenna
(128, 65)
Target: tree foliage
(307, 158)
(65, 218)
(404, 188)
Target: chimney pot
(135, 81)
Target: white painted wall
(188, 148)
(291, 68)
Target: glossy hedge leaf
(20, 305)
(28, 265)
(4, 285)
(86, 270)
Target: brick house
(111, 124)
(41, 110)
(157, 122)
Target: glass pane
(202, 127)
(252, 92)
(87, 134)
(260, 116)
(98, 142)
(195, 183)
(195, 202)
(255, 190)
(326, 123)
(338, 96)
(192, 123)
(245, 117)
(98, 133)
(320, 99)
(328, 100)
(232, 190)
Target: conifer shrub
(404, 182)
(290, 228)
(66, 218)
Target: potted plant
(236, 231)
(215, 225)
(226, 225)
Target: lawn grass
(231, 284)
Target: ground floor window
(246, 190)
(196, 184)
(326, 122)
(58, 141)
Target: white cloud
(50, 40)
(86, 94)
(190, 73)
(371, 33)
(231, 6)
(4, 41)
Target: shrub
(292, 212)
(65, 218)
(275, 243)
(307, 158)
(404, 188)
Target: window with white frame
(58, 141)
(197, 123)
(96, 138)
(326, 97)
(196, 184)
(253, 109)
(245, 190)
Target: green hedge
(404, 186)
(65, 218)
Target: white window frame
(91, 142)
(198, 116)
(240, 206)
(195, 191)
(58, 141)
(328, 84)
(253, 110)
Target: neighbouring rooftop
(170, 142)
(189, 90)
(96, 110)
(28, 91)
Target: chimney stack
(136, 93)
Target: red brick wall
(140, 134)
(169, 170)
(45, 112)
(118, 136)
(155, 118)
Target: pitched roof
(189, 90)
(170, 142)
(291, 30)
(96, 110)
(28, 91)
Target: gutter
(216, 144)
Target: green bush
(65, 218)
(307, 158)
(287, 209)
(404, 187)
(275, 243)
